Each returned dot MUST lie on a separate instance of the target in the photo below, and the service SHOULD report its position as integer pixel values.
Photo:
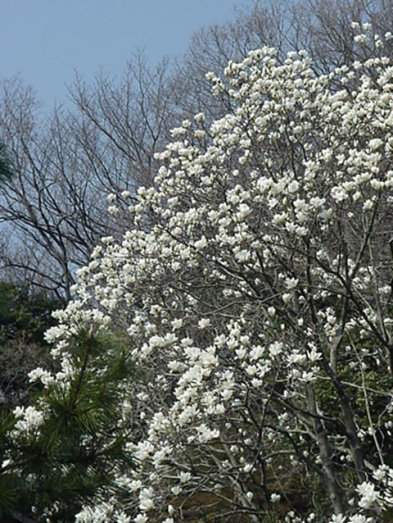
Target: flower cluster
(254, 288)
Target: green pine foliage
(71, 457)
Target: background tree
(5, 168)
(53, 206)
(25, 316)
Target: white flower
(177, 323)
(184, 477)
(200, 244)
(368, 494)
(29, 419)
(121, 517)
(271, 311)
(146, 499)
(42, 375)
(203, 323)
(275, 348)
(113, 210)
(293, 186)
(360, 39)
(200, 117)
(368, 205)
(291, 283)
(381, 473)
(358, 518)
(375, 144)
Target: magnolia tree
(253, 296)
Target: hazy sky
(46, 41)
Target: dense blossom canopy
(254, 285)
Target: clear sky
(46, 41)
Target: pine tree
(75, 449)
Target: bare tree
(53, 207)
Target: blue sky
(46, 41)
